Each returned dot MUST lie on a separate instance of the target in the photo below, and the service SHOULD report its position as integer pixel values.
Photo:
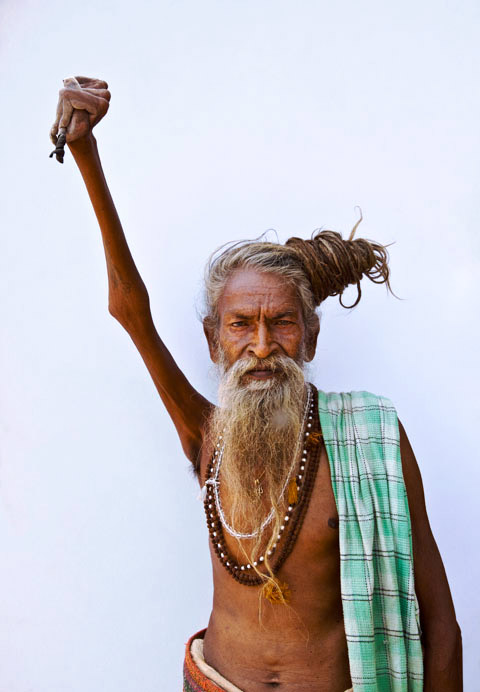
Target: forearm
(443, 661)
(127, 293)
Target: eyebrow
(278, 316)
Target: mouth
(261, 373)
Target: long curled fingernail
(59, 151)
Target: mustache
(276, 363)
(235, 383)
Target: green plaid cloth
(380, 608)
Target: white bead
(255, 563)
(282, 527)
(219, 545)
(309, 425)
(307, 434)
(214, 533)
(290, 508)
(222, 555)
(299, 476)
(242, 567)
(261, 558)
(210, 506)
(228, 564)
(302, 468)
(248, 566)
(269, 552)
(287, 518)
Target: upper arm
(188, 409)
(437, 613)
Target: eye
(238, 324)
(283, 323)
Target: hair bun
(332, 263)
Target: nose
(261, 345)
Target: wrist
(83, 145)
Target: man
(325, 577)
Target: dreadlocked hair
(322, 266)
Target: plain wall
(227, 119)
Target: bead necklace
(295, 513)
(215, 482)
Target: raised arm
(441, 634)
(81, 105)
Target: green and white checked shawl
(380, 607)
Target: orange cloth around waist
(197, 674)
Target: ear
(211, 336)
(313, 330)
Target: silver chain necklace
(215, 481)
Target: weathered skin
(296, 648)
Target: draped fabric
(194, 680)
(380, 607)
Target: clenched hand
(82, 103)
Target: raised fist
(81, 105)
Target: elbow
(114, 311)
(129, 311)
(117, 313)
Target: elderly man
(326, 574)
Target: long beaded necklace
(298, 501)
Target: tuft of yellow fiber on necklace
(292, 492)
(276, 591)
(315, 438)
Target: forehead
(251, 291)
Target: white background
(227, 118)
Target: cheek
(229, 346)
(293, 341)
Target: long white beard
(260, 422)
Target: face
(260, 315)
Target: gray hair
(319, 267)
(262, 256)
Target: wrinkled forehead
(254, 293)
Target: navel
(333, 523)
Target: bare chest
(314, 547)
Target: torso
(300, 647)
